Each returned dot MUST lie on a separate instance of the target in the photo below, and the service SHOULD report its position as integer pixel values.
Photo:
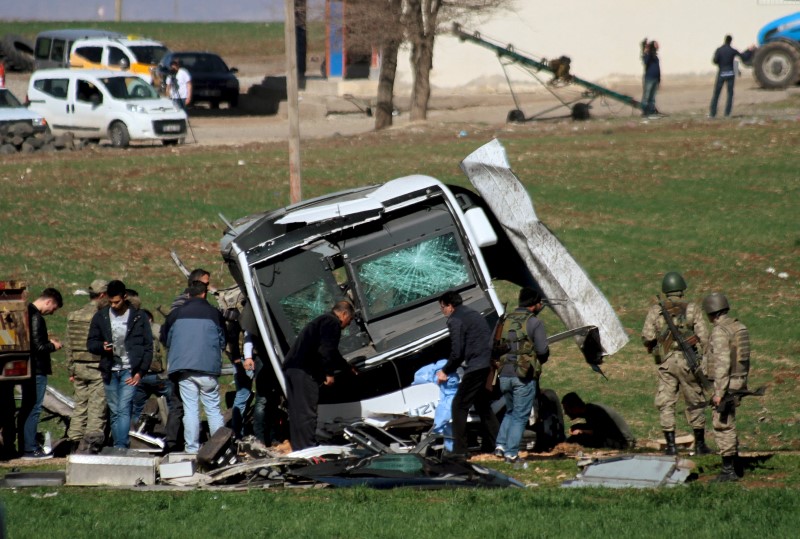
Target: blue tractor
(776, 63)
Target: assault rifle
(686, 348)
(497, 350)
(731, 398)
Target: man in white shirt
(179, 85)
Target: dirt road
(687, 97)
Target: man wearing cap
(522, 351)
(89, 414)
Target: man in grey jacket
(195, 337)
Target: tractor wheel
(776, 65)
(18, 53)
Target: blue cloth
(519, 396)
(444, 409)
(721, 81)
(244, 388)
(119, 396)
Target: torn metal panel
(32, 479)
(86, 470)
(173, 470)
(405, 470)
(633, 471)
(551, 265)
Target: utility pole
(118, 10)
(295, 191)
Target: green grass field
(717, 201)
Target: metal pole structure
(118, 10)
(295, 191)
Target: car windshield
(149, 54)
(410, 274)
(129, 88)
(7, 100)
(203, 63)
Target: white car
(103, 104)
(13, 112)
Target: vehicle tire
(18, 53)
(213, 104)
(776, 65)
(515, 116)
(170, 142)
(118, 133)
(233, 102)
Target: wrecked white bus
(392, 250)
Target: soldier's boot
(700, 447)
(728, 472)
(671, 448)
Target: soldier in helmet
(84, 368)
(674, 376)
(728, 357)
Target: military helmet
(673, 282)
(715, 302)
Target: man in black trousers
(471, 348)
(311, 362)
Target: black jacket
(316, 349)
(138, 341)
(41, 347)
(470, 341)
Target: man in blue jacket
(195, 336)
(652, 76)
(120, 334)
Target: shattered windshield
(411, 274)
(306, 304)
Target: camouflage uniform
(728, 356)
(89, 414)
(673, 371)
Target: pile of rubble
(21, 138)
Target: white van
(100, 104)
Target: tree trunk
(385, 105)
(422, 17)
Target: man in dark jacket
(312, 361)
(470, 348)
(195, 336)
(33, 390)
(120, 334)
(726, 75)
(602, 425)
(652, 76)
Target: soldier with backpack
(674, 375)
(523, 350)
(728, 356)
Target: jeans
(244, 385)
(193, 385)
(32, 396)
(119, 396)
(519, 397)
(649, 96)
(721, 81)
(150, 384)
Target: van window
(115, 56)
(57, 52)
(54, 87)
(148, 54)
(91, 54)
(43, 48)
(88, 92)
(129, 88)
